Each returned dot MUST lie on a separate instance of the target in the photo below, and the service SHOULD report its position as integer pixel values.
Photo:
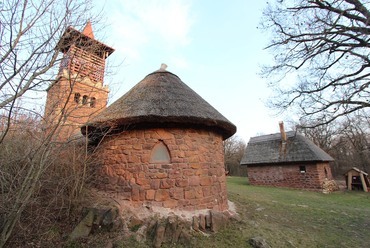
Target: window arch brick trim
(84, 99)
(160, 154)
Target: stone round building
(162, 144)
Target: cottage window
(77, 97)
(84, 99)
(160, 154)
(93, 102)
(302, 169)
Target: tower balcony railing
(84, 64)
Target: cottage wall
(291, 175)
(194, 178)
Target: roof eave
(72, 34)
(226, 129)
(284, 162)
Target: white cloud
(142, 23)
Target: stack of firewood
(329, 186)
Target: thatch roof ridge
(267, 149)
(161, 97)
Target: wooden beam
(364, 186)
(349, 180)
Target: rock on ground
(258, 242)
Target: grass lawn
(294, 218)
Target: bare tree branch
(326, 45)
(29, 34)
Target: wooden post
(349, 180)
(364, 186)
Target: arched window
(92, 102)
(160, 154)
(77, 97)
(84, 99)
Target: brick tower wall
(79, 94)
(193, 179)
(290, 175)
(62, 99)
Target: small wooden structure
(357, 179)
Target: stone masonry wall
(193, 180)
(290, 175)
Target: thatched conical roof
(162, 99)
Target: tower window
(77, 97)
(84, 99)
(302, 169)
(160, 154)
(92, 102)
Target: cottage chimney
(283, 137)
(282, 132)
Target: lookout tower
(79, 92)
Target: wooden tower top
(83, 55)
(88, 30)
(85, 40)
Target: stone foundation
(290, 175)
(193, 177)
(154, 226)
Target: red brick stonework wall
(290, 175)
(194, 179)
(62, 100)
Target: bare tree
(347, 142)
(355, 133)
(29, 34)
(325, 46)
(234, 148)
(323, 135)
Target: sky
(213, 46)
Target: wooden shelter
(357, 179)
(286, 159)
